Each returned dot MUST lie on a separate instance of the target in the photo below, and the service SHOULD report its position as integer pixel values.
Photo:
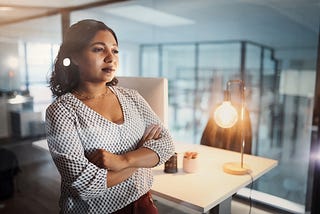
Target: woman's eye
(115, 51)
(97, 49)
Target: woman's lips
(109, 70)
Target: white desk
(209, 186)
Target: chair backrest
(154, 90)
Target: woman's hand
(153, 132)
(108, 160)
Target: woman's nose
(108, 56)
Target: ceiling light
(149, 16)
(13, 62)
(3, 9)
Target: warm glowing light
(11, 74)
(226, 115)
(4, 9)
(13, 62)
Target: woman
(103, 138)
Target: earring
(66, 62)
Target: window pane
(41, 97)
(150, 61)
(39, 59)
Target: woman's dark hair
(66, 78)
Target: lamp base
(235, 168)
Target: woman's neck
(91, 91)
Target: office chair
(153, 89)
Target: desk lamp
(226, 116)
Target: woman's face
(99, 61)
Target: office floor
(38, 184)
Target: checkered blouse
(75, 130)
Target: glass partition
(40, 57)
(150, 63)
(197, 76)
(178, 65)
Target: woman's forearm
(114, 178)
(141, 158)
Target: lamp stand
(236, 168)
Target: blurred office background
(198, 45)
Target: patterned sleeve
(82, 178)
(164, 146)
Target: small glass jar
(171, 165)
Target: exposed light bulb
(226, 115)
